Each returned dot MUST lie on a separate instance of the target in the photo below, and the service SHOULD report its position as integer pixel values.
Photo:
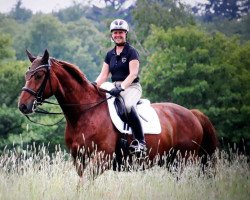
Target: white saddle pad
(148, 117)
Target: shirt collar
(125, 49)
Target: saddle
(148, 116)
(121, 110)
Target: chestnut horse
(88, 121)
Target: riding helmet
(119, 24)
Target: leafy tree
(195, 69)
(8, 91)
(161, 13)
(20, 14)
(78, 42)
(110, 12)
(11, 121)
(11, 81)
(86, 48)
(6, 52)
(46, 32)
(72, 13)
(15, 128)
(229, 9)
(10, 26)
(231, 27)
(246, 27)
(115, 3)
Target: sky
(48, 6)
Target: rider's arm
(133, 73)
(103, 76)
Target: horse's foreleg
(79, 162)
(99, 162)
(80, 170)
(79, 167)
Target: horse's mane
(72, 69)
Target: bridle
(39, 94)
(39, 100)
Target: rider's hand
(116, 91)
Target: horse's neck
(70, 92)
(74, 97)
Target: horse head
(38, 84)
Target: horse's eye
(38, 76)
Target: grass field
(41, 176)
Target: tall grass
(36, 174)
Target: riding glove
(116, 91)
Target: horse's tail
(209, 141)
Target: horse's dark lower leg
(80, 161)
(170, 159)
(99, 162)
(121, 153)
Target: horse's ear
(30, 56)
(45, 57)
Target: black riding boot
(138, 145)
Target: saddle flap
(121, 110)
(148, 116)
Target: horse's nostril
(23, 108)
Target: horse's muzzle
(27, 108)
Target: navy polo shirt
(119, 64)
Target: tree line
(189, 55)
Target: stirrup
(136, 147)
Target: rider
(122, 62)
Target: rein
(42, 111)
(42, 123)
(70, 105)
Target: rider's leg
(131, 96)
(135, 124)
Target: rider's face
(119, 36)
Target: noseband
(39, 94)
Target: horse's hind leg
(171, 159)
(121, 153)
